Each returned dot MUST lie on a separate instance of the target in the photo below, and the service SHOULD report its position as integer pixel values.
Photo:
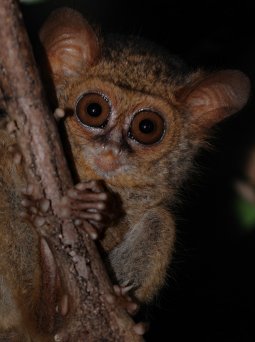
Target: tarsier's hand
(34, 210)
(92, 205)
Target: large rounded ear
(70, 44)
(215, 97)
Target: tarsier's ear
(70, 44)
(215, 97)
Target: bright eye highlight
(93, 110)
(147, 127)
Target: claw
(59, 114)
(141, 328)
(26, 202)
(11, 127)
(17, 158)
(61, 337)
(126, 289)
(111, 299)
(44, 205)
(28, 190)
(126, 301)
(132, 308)
(39, 221)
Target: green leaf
(246, 213)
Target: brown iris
(93, 109)
(147, 127)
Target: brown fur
(134, 75)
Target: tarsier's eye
(93, 109)
(147, 127)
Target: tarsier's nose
(108, 158)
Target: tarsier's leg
(142, 258)
(11, 322)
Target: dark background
(210, 291)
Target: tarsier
(135, 117)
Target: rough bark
(90, 316)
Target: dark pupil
(94, 109)
(146, 126)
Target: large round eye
(93, 109)
(147, 127)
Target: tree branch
(87, 310)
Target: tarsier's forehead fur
(135, 63)
(135, 66)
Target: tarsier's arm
(141, 259)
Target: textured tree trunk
(87, 313)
